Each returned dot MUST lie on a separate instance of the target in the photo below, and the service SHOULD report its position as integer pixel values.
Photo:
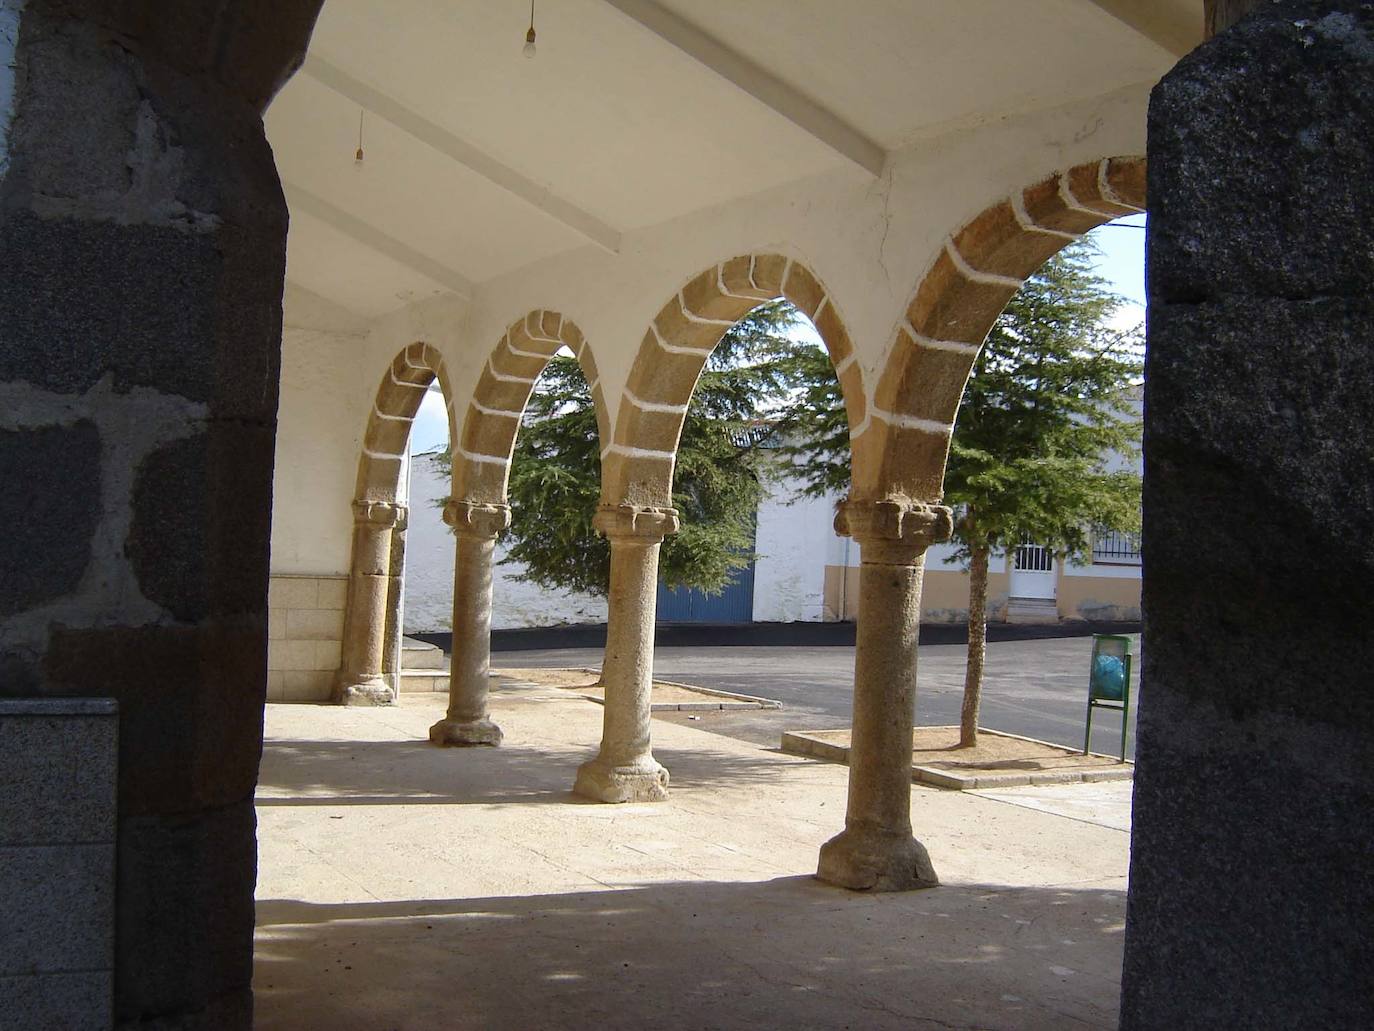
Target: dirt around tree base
(998, 760)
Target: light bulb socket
(529, 49)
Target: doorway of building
(1032, 572)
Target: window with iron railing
(1111, 548)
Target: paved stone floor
(406, 886)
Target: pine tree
(1046, 402)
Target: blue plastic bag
(1108, 678)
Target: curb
(801, 743)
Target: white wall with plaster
(792, 541)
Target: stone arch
(371, 638)
(393, 412)
(637, 466)
(481, 456)
(902, 449)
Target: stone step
(414, 681)
(1032, 610)
(419, 655)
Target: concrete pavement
(407, 886)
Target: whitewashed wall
(793, 540)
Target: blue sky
(1122, 263)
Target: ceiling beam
(1157, 23)
(763, 86)
(436, 136)
(300, 199)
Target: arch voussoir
(481, 457)
(979, 269)
(638, 464)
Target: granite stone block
(193, 866)
(58, 908)
(57, 1002)
(47, 540)
(58, 770)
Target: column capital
(647, 524)
(469, 519)
(382, 514)
(894, 531)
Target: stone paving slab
(1104, 804)
(1000, 760)
(406, 886)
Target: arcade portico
(198, 402)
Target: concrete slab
(406, 886)
(999, 760)
(1106, 805)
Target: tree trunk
(977, 645)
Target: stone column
(394, 634)
(467, 721)
(624, 769)
(1252, 839)
(361, 680)
(876, 850)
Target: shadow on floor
(790, 952)
(297, 772)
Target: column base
(462, 733)
(368, 691)
(645, 781)
(869, 859)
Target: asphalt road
(1037, 688)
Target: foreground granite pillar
(876, 850)
(467, 721)
(362, 675)
(1252, 869)
(625, 769)
(142, 253)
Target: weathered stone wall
(1252, 875)
(142, 250)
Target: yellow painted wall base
(944, 596)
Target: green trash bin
(1109, 682)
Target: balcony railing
(1111, 548)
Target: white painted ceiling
(479, 161)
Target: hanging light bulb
(358, 154)
(529, 50)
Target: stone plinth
(58, 765)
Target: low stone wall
(58, 764)
(305, 631)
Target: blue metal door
(735, 604)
